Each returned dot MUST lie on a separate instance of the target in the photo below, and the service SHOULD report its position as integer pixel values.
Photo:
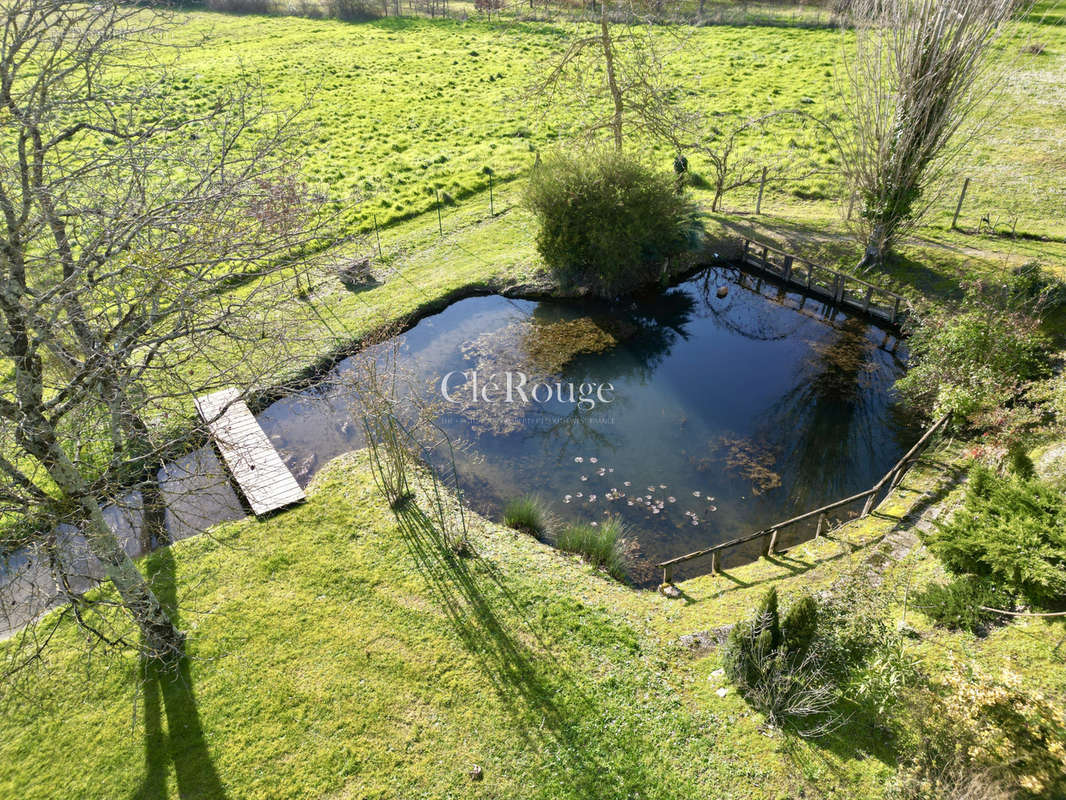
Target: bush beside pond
(608, 221)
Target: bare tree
(916, 81)
(144, 256)
(613, 80)
(734, 161)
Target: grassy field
(403, 107)
(333, 656)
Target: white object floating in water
(696, 494)
(627, 483)
(584, 477)
(578, 459)
(593, 460)
(671, 499)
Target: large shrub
(607, 220)
(972, 359)
(1011, 531)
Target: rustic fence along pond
(840, 288)
(769, 535)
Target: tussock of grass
(600, 544)
(527, 513)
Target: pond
(695, 418)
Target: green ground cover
(333, 655)
(403, 107)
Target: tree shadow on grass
(547, 704)
(168, 695)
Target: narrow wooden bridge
(253, 462)
(839, 288)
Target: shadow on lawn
(168, 694)
(546, 701)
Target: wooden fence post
(492, 207)
(377, 233)
(440, 222)
(771, 543)
(869, 504)
(762, 184)
(714, 563)
(822, 520)
(958, 207)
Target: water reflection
(727, 414)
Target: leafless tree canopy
(613, 80)
(916, 81)
(142, 249)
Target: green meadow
(334, 655)
(404, 107)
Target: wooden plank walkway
(253, 462)
(839, 288)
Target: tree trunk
(612, 81)
(161, 639)
(877, 244)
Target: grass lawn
(403, 107)
(333, 655)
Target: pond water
(717, 416)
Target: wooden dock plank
(252, 460)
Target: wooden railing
(835, 286)
(769, 536)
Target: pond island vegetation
(249, 193)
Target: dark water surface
(726, 414)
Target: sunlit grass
(600, 543)
(528, 513)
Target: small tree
(613, 80)
(734, 165)
(916, 81)
(143, 253)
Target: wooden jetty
(253, 462)
(839, 288)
